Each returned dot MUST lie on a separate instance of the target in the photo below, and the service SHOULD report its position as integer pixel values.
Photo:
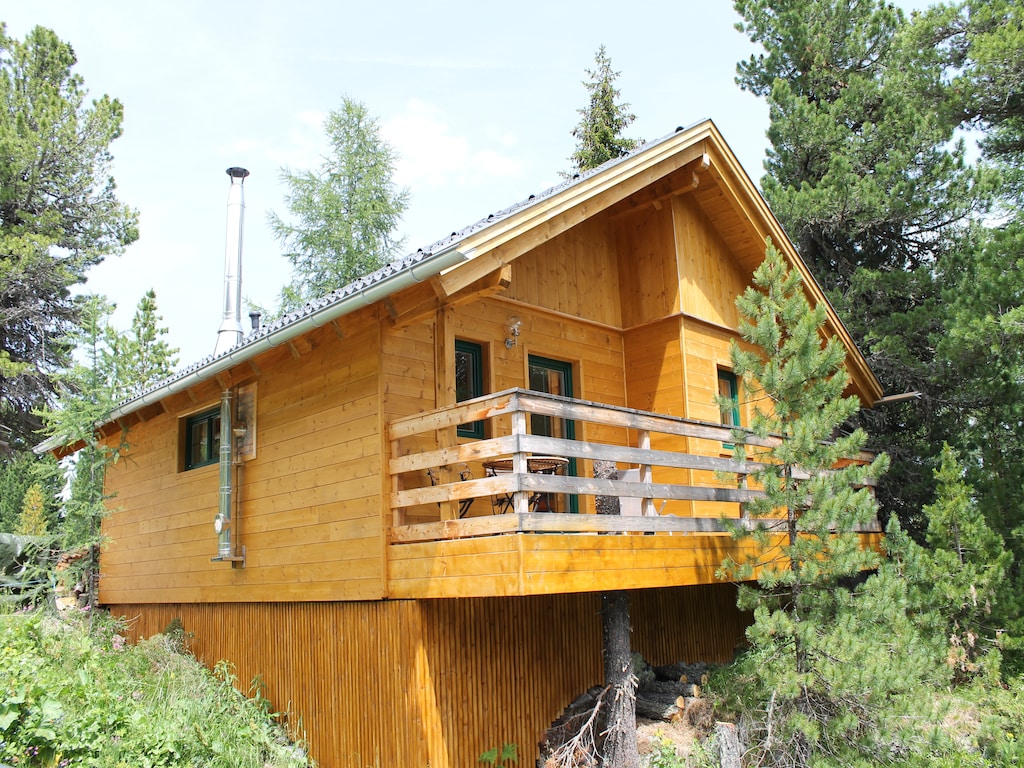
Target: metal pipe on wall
(230, 333)
(222, 523)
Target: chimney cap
(237, 173)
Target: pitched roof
(598, 188)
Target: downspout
(222, 523)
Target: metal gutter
(414, 273)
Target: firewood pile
(666, 693)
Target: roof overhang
(471, 254)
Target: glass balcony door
(553, 377)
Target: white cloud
(432, 157)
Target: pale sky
(478, 99)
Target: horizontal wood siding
(656, 381)
(309, 503)
(437, 682)
(407, 386)
(535, 564)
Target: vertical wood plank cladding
(574, 273)
(438, 682)
(707, 350)
(654, 382)
(644, 243)
(710, 276)
(308, 504)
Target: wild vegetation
(74, 693)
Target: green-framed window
(469, 381)
(728, 389)
(202, 439)
(555, 378)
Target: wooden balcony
(679, 489)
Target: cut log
(690, 690)
(657, 706)
(685, 673)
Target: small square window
(202, 439)
(469, 381)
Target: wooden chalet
(402, 474)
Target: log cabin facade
(411, 584)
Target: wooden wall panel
(710, 278)
(438, 682)
(549, 563)
(644, 244)
(408, 386)
(308, 505)
(574, 273)
(654, 366)
(656, 381)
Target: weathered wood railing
(408, 466)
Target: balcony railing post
(521, 499)
(646, 474)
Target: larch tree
(84, 398)
(33, 520)
(343, 215)
(59, 214)
(19, 471)
(108, 367)
(599, 133)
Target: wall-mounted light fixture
(514, 324)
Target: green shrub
(74, 693)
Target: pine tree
(985, 44)
(967, 568)
(795, 377)
(796, 381)
(863, 171)
(343, 214)
(599, 133)
(867, 176)
(141, 356)
(59, 214)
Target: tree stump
(727, 745)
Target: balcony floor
(525, 560)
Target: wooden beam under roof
(538, 223)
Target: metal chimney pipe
(230, 333)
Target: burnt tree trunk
(620, 745)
